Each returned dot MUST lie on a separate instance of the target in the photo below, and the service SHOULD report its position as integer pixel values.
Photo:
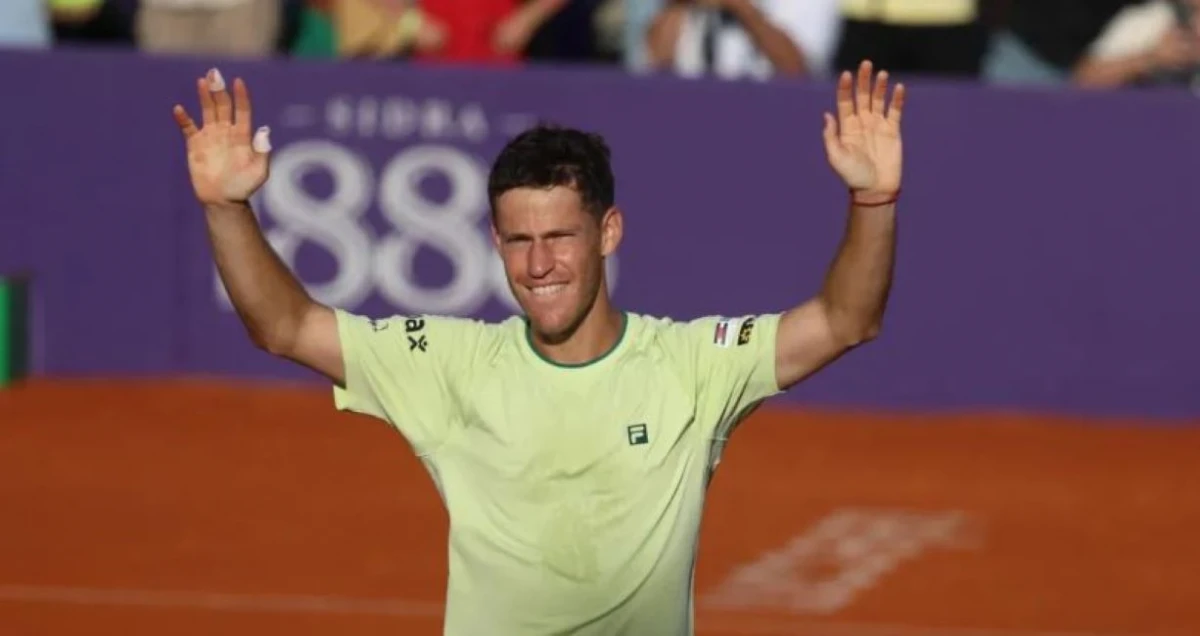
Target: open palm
(226, 162)
(863, 142)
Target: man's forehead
(540, 207)
(534, 197)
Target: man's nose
(541, 259)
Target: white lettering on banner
(847, 552)
(397, 117)
(368, 264)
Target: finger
(242, 113)
(845, 97)
(896, 109)
(830, 134)
(879, 95)
(186, 125)
(862, 96)
(216, 86)
(262, 140)
(208, 108)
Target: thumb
(833, 145)
(262, 140)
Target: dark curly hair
(549, 155)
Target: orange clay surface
(206, 507)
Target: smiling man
(572, 445)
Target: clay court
(189, 507)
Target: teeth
(548, 290)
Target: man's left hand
(863, 141)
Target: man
(572, 446)
(740, 39)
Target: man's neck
(594, 337)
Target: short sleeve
(734, 366)
(407, 370)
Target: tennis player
(571, 445)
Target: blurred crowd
(1096, 43)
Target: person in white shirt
(744, 39)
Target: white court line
(711, 621)
(218, 601)
(756, 627)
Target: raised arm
(863, 146)
(773, 42)
(228, 163)
(517, 28)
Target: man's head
(554, 223)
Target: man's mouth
(545, 291)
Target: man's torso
(574, 493)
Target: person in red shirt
(488, 31)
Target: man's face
(553, 252)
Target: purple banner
(1046, 255)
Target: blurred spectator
(315, 33)
(91, 22)
(24, 24)
(932, 37)
(609, 22)
(743, 38)
(1151, 44)
(567, 34)
(489, 31)
(382, 29)
(1043, 41)
(639, 15)
(209, 27)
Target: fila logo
(637, 434)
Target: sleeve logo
(721, 333)
(724, 333)
(416, 339)
(746, 331)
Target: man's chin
(551, 329)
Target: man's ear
(612, 229)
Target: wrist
(874, 198)
(227, 207)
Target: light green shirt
(574, 493)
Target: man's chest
(621, 427)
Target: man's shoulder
(717, 330)
(477, 331)
(449, 332)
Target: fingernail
(262, 140)
(215, 81)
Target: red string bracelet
(875, 204)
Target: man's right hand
(226, 161)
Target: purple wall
(1047, 254)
